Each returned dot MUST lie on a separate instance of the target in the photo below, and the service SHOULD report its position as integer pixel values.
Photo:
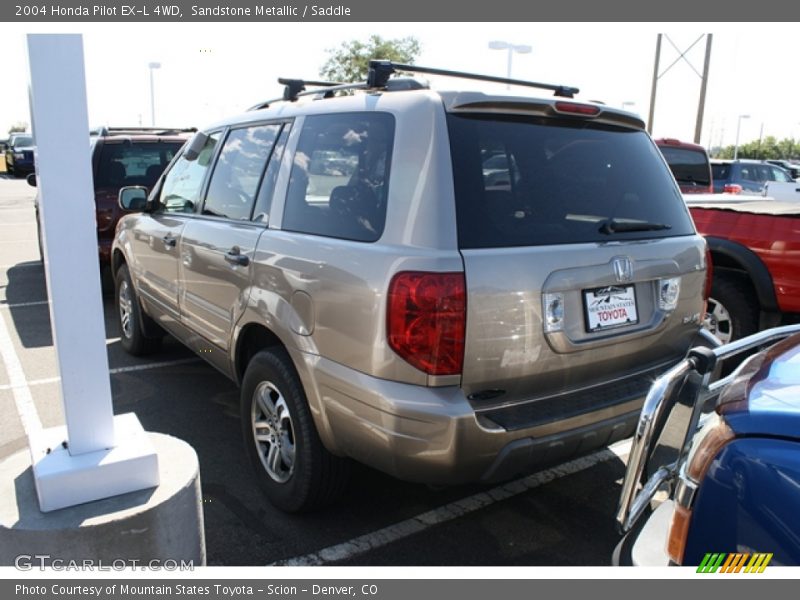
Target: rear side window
(688, 166)
(537, 181)
(340, 175)
(720, 171)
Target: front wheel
(293, 468)
(129, 316)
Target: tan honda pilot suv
(447, 286)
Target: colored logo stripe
(733, 562)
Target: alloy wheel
(273, 432)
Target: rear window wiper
(610, 226)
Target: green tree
(18, 126)
(769, 147)
(350, 62)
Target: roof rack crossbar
(293, 89)
(380, 70)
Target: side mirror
(196, 145)
(133, 198)
(31, 179)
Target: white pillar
(64, 475)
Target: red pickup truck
(755, 252)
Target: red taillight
(577, 109)
(732, 188)
(426, 320)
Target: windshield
(535, 181)
(22, 140)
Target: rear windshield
(688, 166)
(540, 181)
(126, 162)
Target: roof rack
(293, 88)
(379, 77)
(381, 70)
(106, 131)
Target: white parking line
(115, 371)
(23, 304)
(19, 386)
(454, 510)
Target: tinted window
(180, 191)
(265, 192)
(720, 171)
(21, 140)
(570, 182)
(123, 162)
(340, 175)
(237, 174)
(688, 166)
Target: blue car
(19, 154)
(737, 176)
(720, 457)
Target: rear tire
(293, 468)
(129, 316)
(732, 308)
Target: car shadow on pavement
(26, 298)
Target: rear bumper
(433, 434)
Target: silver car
(379, 294)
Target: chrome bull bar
(688, 383)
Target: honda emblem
(623, 269)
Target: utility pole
(703, 77)
(654, 87)
(701, 105)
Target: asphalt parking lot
(562, 516)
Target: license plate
(608, 307)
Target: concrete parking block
(155, 524)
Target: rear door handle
(169, 241)
(235, 257)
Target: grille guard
(690, 384)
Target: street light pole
(738, 127)
(153, 66)
(511, 48)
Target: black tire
(734, 296)
(129, 316)
(293, 468)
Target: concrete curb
(160, 524)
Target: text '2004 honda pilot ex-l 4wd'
(446, 286)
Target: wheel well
(252, 339)
(731, 256)
(117, 260)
